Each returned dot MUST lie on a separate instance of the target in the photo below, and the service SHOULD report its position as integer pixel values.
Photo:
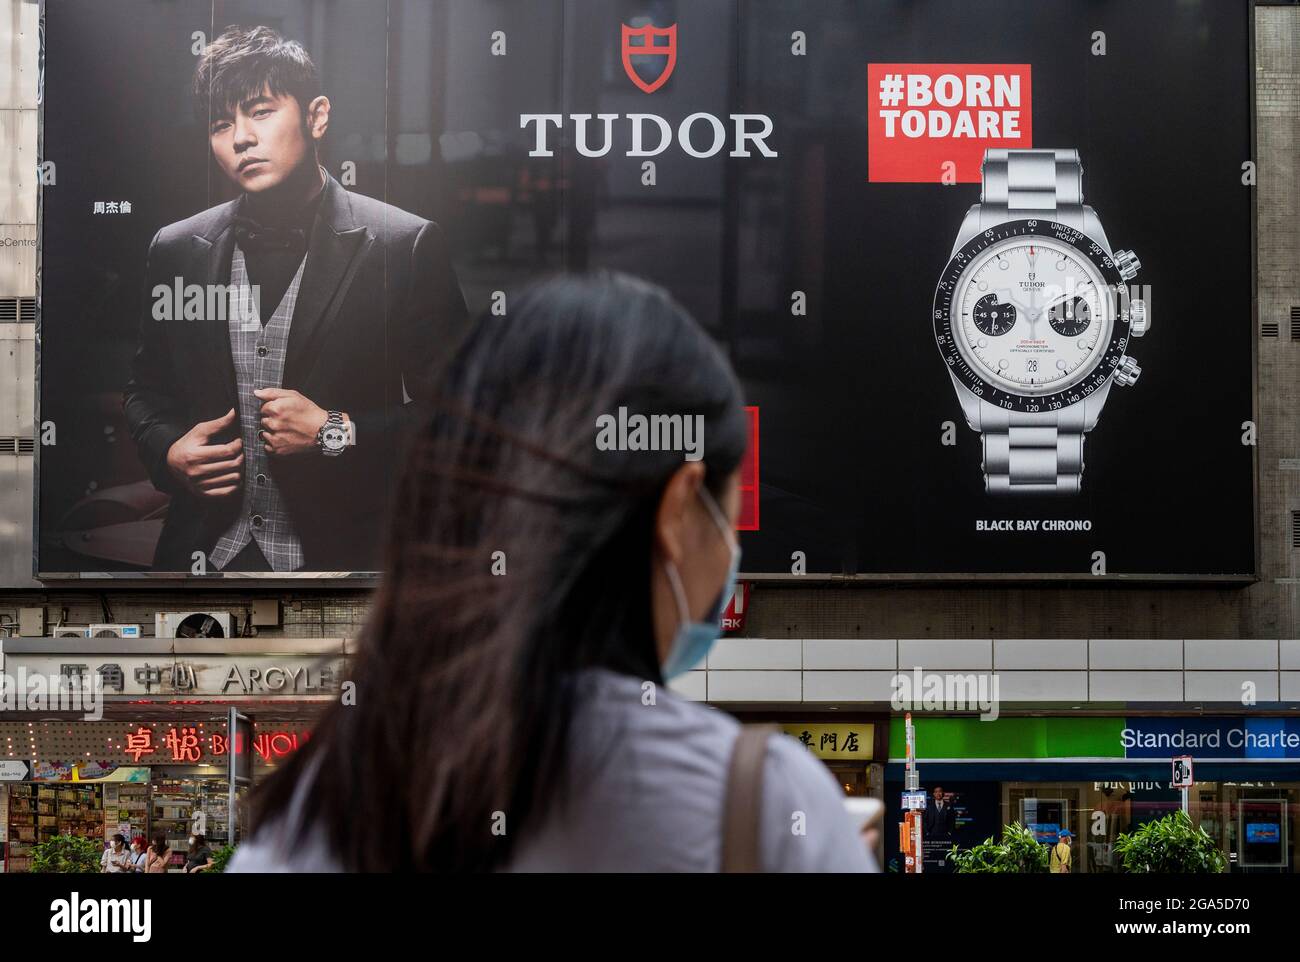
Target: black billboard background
(853, 395)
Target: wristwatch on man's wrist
(1033, 318)
(334, 435)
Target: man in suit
(940, 819)
(275, 425)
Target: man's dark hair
(242, 61)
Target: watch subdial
(992, 317)
(1070, 317)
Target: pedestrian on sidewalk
(159, 856)
(562, 546)
(138, 854)
(1060, 857)
(116, 857)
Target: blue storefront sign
(1203, 738)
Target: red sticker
(748, 520)
(930, 123)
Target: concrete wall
(1018, 674)
(19, 45)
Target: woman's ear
(670, 518)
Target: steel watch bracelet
(1040, 452)
(332, 419)
(1028, 184)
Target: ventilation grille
(1295, 323)
(13, 309)
(17, 445)
(1268, 328)
(1295, 529)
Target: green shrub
(221, 858)
(1172, 845)
(1018, 852)
(67, 854)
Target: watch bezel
(969, 377)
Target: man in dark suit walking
(275, 424)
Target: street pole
(913, 854)
(913, 776)
(239, 754)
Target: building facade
(1078, 674)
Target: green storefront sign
(1008, 738)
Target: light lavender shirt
(647, 788)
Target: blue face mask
(693, 639)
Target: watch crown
(1139, 321)
(1128, 264)
(1127, 373)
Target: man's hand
(290, 422)
(207, 470)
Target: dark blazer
(379, 312)
(936, 824)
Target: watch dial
(1031, 315)
(335, 438)
(1070, 316)
(992, 316)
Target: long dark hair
(464, 674)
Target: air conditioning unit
(72, 631)
(114, 631)
(192, 624)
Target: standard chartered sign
(1212, 737)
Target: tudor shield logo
(647, 45)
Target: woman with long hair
(546, 573)
(159, 856)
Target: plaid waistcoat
(258, 352)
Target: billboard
(985, 270)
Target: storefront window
(191, 805)
(1250, 821)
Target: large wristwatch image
(1033, 319)
(334, 435)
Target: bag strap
(744, 800)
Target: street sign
(13, 770)
(914, 801)
(1182, 772)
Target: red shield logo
(649, 45)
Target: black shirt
(200, 856)
(272, 268)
